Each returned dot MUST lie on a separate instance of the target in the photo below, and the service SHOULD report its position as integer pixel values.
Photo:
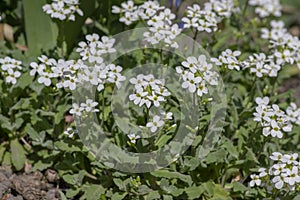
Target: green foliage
(32, 116)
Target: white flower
(290, 159)
(166, 116)
(12, 76)
(190, 82)
(262, 101)
(276, 156)
(76, 109)
(69, 132)
(89, 106)
(263, 172)
(275, 131)
(156, 99)
(155, 124)
(133, 137)
(190, 63)
(259, 69)
(284, 56)
(278, 181)
(292, 176)
(45, 79)
(278, 169)
(255, 180)
(138, 96)
(202, 89)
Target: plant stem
(245, 7)
(103, 106)
(194, 40)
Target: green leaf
(120, 183)
(177, 175)
(62, 195)
(6, 158)
(72, 192)
(231, 149)
(74, 179)
(24, 81)
(216, 157)
(194, 192)
(18, 157)
(92, 191)
(163, 140)
(68, 147)
(41, 33)
(297, 197)
(118, 196)
(33, 134)
(62, 109)
(152, 195)
(40, 165)
(2, 151)
(220, 193)
(238, 187)
(251, 156)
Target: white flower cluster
(129, 12)
(148, 91)
(94, 48)
(84, 108)
(265, 8)
(89, 68)
(132, 13)
(10, 69)
(283, 174)
(49, 69)
(285, 47)
(163, 29)
(274, 120)
(197, 74)
(262, 65)
(206, 19)
(228, 58)
(158, 18)
(63, 9)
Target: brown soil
(33, 186)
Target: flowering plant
(152, 100)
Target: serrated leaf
(40, 165)
(74, 179)
(231, 149)
(194, 192)
(216, 157)
(118, 196)
(168, 174)
(92, 191)
(152, 195)
(68, 147)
